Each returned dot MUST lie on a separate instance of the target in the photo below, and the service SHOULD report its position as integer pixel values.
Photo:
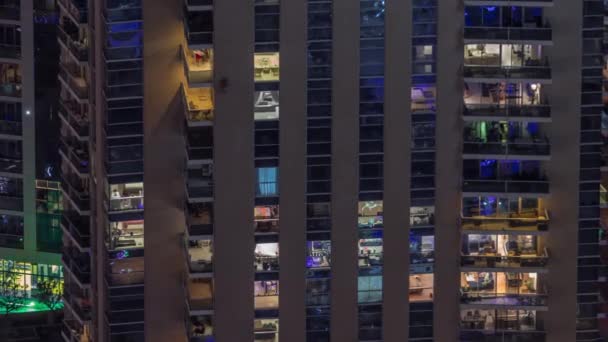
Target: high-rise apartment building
(331, 170)
(30, 234)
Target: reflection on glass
(266, 105)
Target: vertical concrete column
(345, 170)
(397, 155)
(292, 171)
(29, 125)
(448, 170)
(565, 59)
(233, 170)
(164, 154)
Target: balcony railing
(78, 157)
(79, 50)
(508, 33)
(195, 113)
(74, 116)
(126, 278)
(197, 38)
(502, 261)
(506, 335)
(10, 89)
(12, 202)
(11, 241)
(199, 223)
(11, 165)
(516, 111)
(133, 203)
(199, 152)
(537, 147)
(80, 305)
(532, 222)
(197, 71)
(506, 186)
(79, 13)
(10, 51)
(77, 264)
(79, 196)
(503, 299)
(8, 12)
(78, 228)
(72, 331)
(507, 72)
(70, 75)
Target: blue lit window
(267, 181)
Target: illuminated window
(266, 66)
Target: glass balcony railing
(199, 294)
(78, 12)
(508, 33)
(199, 152)
(78, 156)
(199, 218)
(198, 106)
(10, 11)
(78, 49)
(78, 228)
(10, 127)
(523, 147)
(194, 3)
(533, 221)
(507, 72)
(11, 240)
(70, 75)
(80, 305)
(198, 66)
(75, 191)
(502, 261)
(77, 263)
(516, 111)
(73, 114)
(132, 203)
(10, 51)
(199, 189)
(13, 202)
(505, 186)
(198, 28)
(503, 299)
(124, 277)
(10, 89)
(11, 165)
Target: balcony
(77, 48)
(505, 61)
(199, 145)
(198, 5)
(10, 51)
(503, 289)
(10, 80)
(71, 76)
(11, 201)
(198, 28)
(198, 66)
(127, 272)
(78, 302)
(75, 153)
(73, 114)
(77, 190)
(199, 254)
(78, 264)
(506, 100)
(266, 257)
(199, 188)
(493, 261)
(9, 127)
(10, 10)
(266, 219)
(266, 295)
(76, 9)
(198, 106)
(199, 218)
(73, 331)
(200, 328)
(512, 138)
(11, 165)
(501, 323)
(199, 295)
(77, 227)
